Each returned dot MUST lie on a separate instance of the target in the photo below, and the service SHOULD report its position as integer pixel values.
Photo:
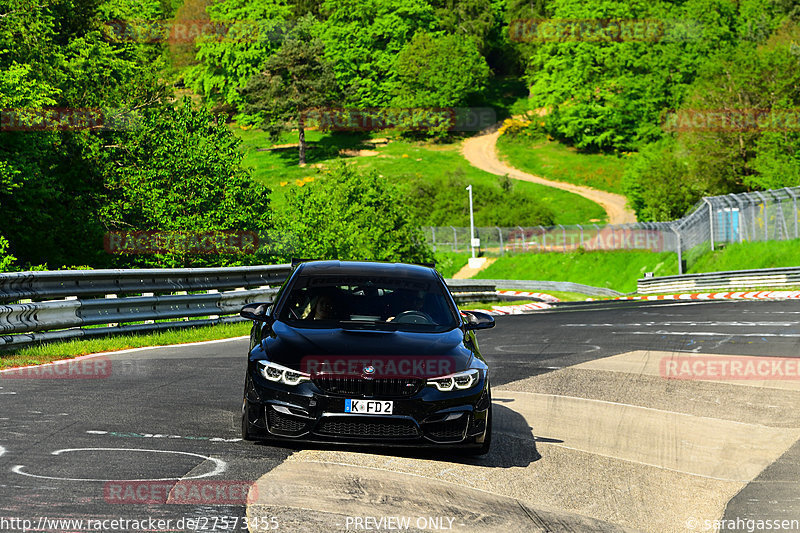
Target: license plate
(368, 407)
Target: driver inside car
(408, 301)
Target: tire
(483, 448)
(487, 439)
(246, 433)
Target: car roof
(370, 268)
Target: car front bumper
(305, 412)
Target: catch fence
(712, 222)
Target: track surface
(588, 436)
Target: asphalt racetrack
(589, 435)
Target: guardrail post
(213, 291)
(147, 294)
(111, 297)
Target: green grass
(402, 161)
(616, 270)
(555, 161)
(448, 263)
(44, 353)
(749, 255)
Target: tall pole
(471, 223)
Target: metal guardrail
(77, 316)
(52, 284)
(563, 286)
(734, 280)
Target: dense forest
(702, 95)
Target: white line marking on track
(220, 466)
(2, 451)
(707, 334)
(685, 323)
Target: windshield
(359, 301)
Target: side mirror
(478, 320)
(258, 312)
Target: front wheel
(487, 439)
(246, 433)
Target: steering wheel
(413, 317)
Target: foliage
(295, 80)
(353, 215)
(441, 201)
(437, 70)
(225, 65)
(181, 172)
(658, 185)
(143, 165)
(609, 93)
(362, 39)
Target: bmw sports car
(369, 353)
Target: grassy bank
(616, 270)
(749, 255)
(420, 168)
(555, 161)
(44, 353)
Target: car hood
(292, 347)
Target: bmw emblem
(369, 369)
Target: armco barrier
(732, 280)
(563, 286)
(119, 301)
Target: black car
(367, 352)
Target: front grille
(378, 387)
(450, 430)
(283, 424)
(389, 428)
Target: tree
(349, 215)
(658, 184)
(362, 39)
(295, 80)
(607, 91)
(181, 171)
(254, 32)
(438, 70)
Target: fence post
(581, 228)
(500, 235)
(710, 220)
(680, 254)
(766, 220)
(794, 202)
(544, 238)
(455, 240)
(433, 235)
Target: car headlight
(281, 374)
(460, 381)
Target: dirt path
(481, 152)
